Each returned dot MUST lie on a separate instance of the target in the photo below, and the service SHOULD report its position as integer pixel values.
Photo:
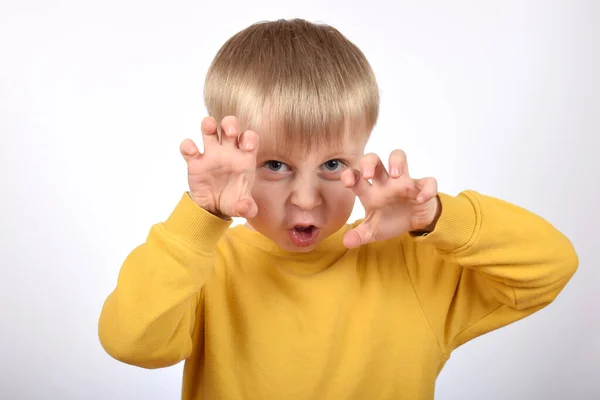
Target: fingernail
(231, 131)
(394, 171)
(369, 172)
(248, 146)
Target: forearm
(148, 319)
(511, 246)
(486, 264)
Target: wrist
(209, 208)
(195, 225)
(436, 212)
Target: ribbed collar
(321, 257)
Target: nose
(306, 194)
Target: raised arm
(149, 317)
(487, 263)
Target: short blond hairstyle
(308, 79)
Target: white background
(496, 96)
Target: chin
(304, 249)
(297, 249)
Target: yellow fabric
(254, 322)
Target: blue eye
(332, 165)
(276, 166)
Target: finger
(398, 164)
(372, 168)
(209, 132)
(229, 131)
(404, 188)
(352, 179)
(188, 149)
(358, 236)
(246, 208)
(428, 189)
(248, 141)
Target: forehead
(275, 139)
(318, 153)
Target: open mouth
(304, 235)
(305, 228)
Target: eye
(276, 166)
(333, 165)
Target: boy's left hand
(394, 203)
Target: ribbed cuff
(456, 225)
(195, 225)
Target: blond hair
(309, 80)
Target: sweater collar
(327, 252)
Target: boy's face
(301, 199)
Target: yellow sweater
(254, 322)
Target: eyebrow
(342, 155)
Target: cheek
(265, 196)
(340, 199)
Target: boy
(297, 304)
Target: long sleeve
(150, 316)
(488, 263)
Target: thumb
(358, 236)
(246, 207)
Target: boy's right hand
(221, 178)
